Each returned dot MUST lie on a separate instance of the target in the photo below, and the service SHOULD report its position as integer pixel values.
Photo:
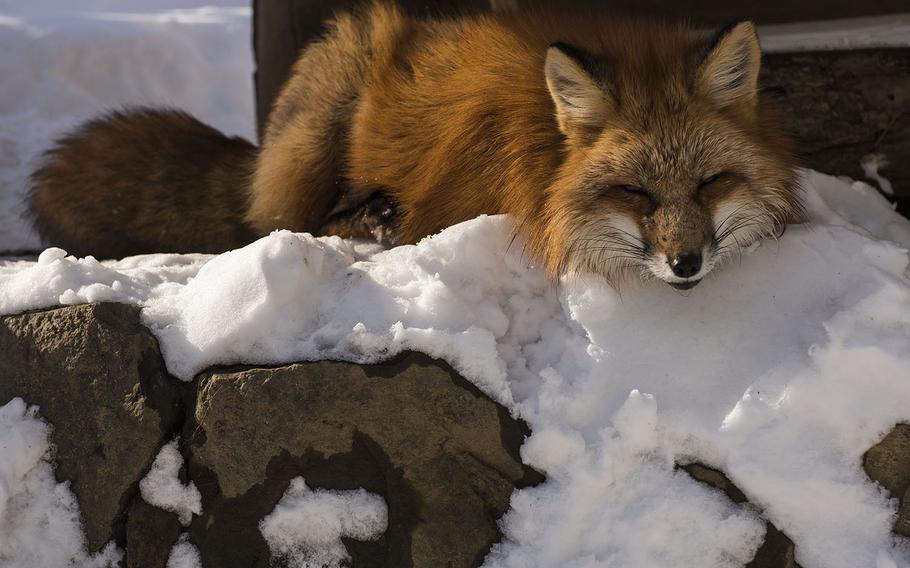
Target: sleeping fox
(616, 147)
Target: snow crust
(162, 488)
(39, 518)
(64, 62)
(781, 369)
(184, 554)
(871, 164)
(306, 526)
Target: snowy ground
(62, 62)
(780, 369)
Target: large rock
(442, 454)
(150, 534)
(99, 379)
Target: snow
(162, 488)
(780, 369)
(39, 518)
(871, 164)
(306, 526)
(184, 554)
(64, 62)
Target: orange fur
(624, 145)
(454, 118)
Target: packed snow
(871, 164)
(162, 488)
(63, 62)
(781, 370)
(39, 518)
(307, 526)
(184, 554)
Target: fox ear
(729, 72)
(581, 104)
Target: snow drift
(780, 369)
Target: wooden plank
(719, 12)
(844, 105)
(873, 32)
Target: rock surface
(443, 455)
(150, 534)
(98, 378)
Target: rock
(98, 378)
(150, 534)
(443, 456)
(888, 463)
(842, 105)
(777, 551)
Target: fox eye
(634, 190)
(709, 180)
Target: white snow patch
(58, 279)
(871, 164)
(781, 370)
(306, 526)
(39, 518)
(184, 554)
(161, 487)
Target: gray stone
(443, 455)
(150, 534)
(99, 380)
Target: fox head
(672, 163)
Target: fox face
(672, 163)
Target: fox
(618, 147)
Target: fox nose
(686, 265)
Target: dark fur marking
(715, 39)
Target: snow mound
(781, 369)
(39, 518)
(184, 554)
(306, 527)
(161, 487)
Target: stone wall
(442, 455)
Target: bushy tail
(143, 181)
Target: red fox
(615, 147)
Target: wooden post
(845, 105)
